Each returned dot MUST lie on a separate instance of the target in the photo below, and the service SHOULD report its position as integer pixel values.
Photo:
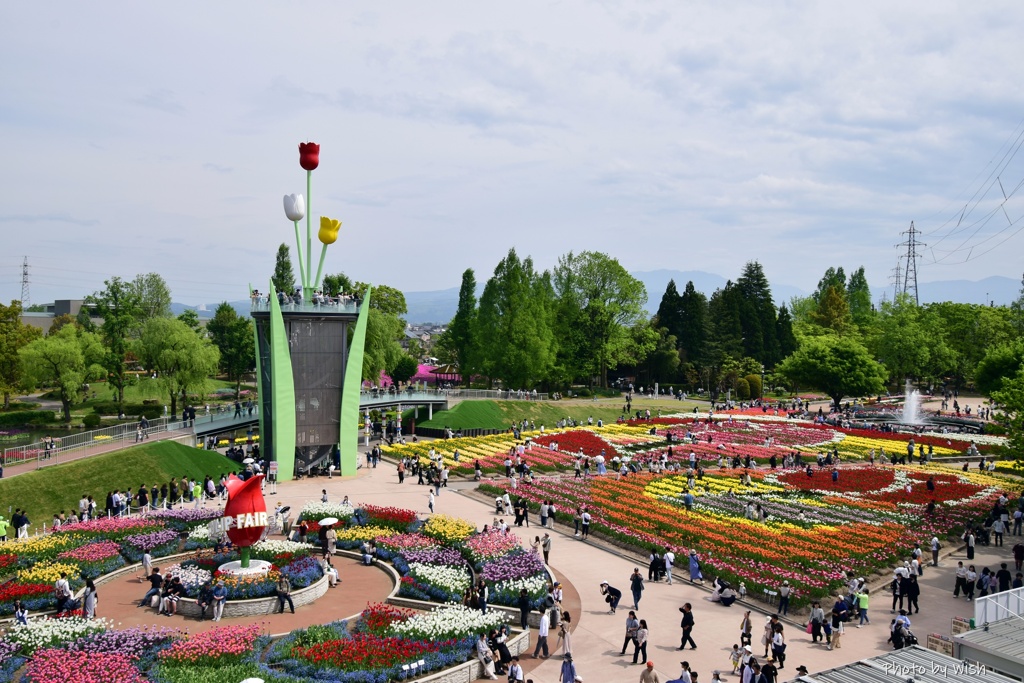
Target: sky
(161, 137)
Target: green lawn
(59, 487)
(472, 414)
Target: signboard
(272, 468)
(959, 625)
(939, 643)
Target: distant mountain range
(439, 306)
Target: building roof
(1004, 638)
(911, 663)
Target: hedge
(22, 418)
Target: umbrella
(248, 461)
(328, 521)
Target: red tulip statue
(246, 511)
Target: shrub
(742, 389)
(24, 418)
(754, 382)
(133, 410)
(91, 421)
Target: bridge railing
(454, 392)
(332, 306)
(122, 434)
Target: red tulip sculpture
(246, 513)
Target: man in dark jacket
(687, 625)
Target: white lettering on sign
(250, 520)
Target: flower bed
(439, 583)
(867, 519)
(157, 543)
(95, 559)
(447, 530)
(183, 520)
(398, 519)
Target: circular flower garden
(437, 561)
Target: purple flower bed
(185, 519)
(513, 566)
(158, 543)
(134, 643)
(445, 556)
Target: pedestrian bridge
(220, 422)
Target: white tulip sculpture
(295, 210)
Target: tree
(999, 364)
(284, 277)
(232, 334)
(970, 331)
(1011, 400)
(119, 306)
(191, 318)
(833, 312)
(670, 311)
(1017, 311)
(14, 336)
(663, 362)
(182, 359)
(60, 321)
(385, 299)
(692, 336)
(903, 343)
(153, 295)
(404, 369)
(381, 350)
(858, 296)
(784, 332)
(725, 308)
(612, 301)
(461, 331)
(833, 277)
(839, 366)
(337, 284)
(66, 361)
(758, 315)
(515, 324)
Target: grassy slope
(472, 414)
(56, 488)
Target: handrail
(72, 442)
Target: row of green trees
(578, 321)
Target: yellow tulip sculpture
(328, 230)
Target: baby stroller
(902, 637)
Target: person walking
(784, 593)
(746, 629)
(567, 674)
(284, 594)
(632, 625)
(220, 596)
(430, 501)
(670, 559)
(90, 598)
(779, 646)
(1018, 556)
(687, 624)
(817, 621)
(545, 546)
(564, 634)
(640, 642)
(636, 587)
(913, 593)
(649, 675)
(542, 634)
(968, 539)
(585, 524)
(862, 607)
(998, 529)
(936, 547)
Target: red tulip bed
(815, 530)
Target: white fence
(64, 443)
(998, 606)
